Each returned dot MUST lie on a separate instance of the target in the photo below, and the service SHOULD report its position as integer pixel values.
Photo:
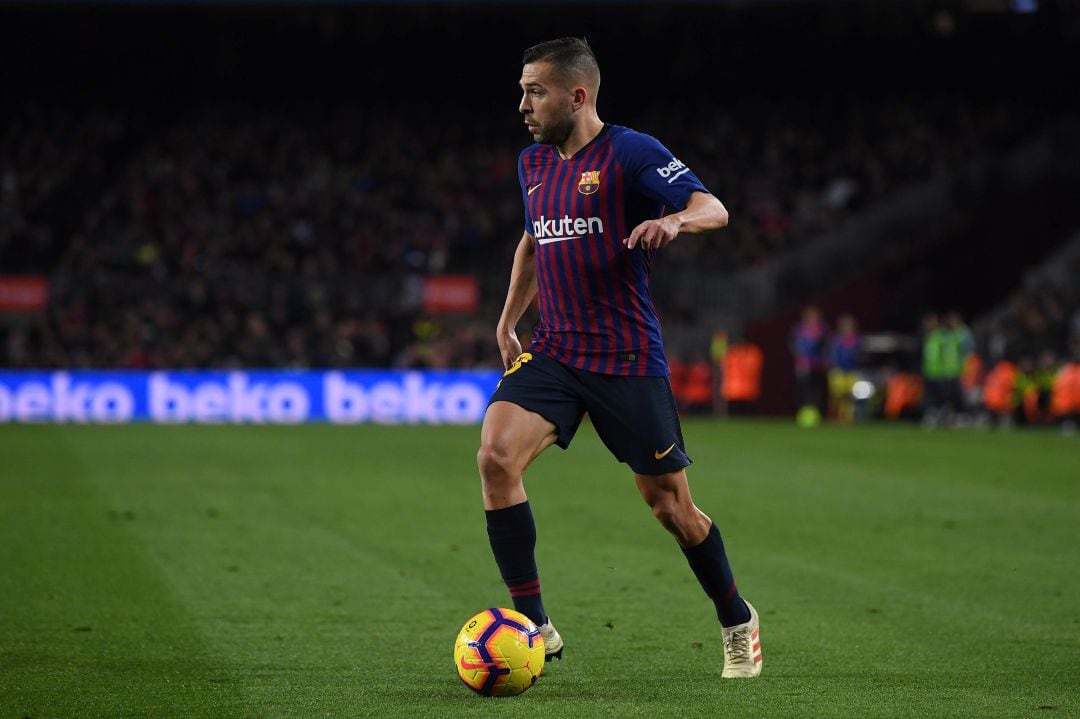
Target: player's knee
(495, 466)
(665, 507)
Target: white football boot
(742, 648)
(553, 643)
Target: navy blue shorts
(636, 417)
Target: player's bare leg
(669, 497)
(510, 439)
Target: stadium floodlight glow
(862, 390)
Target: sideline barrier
(246, 396)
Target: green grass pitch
(323, 571)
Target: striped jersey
(596, 312)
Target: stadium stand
(241, 205)
(247, 236)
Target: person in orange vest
(1065, 393)
(698, 387)
(903, 394)
(741, 386)
(1065, 398)
(999, 392)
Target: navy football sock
(512, 533)
(710, 565)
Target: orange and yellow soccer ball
(499, 653)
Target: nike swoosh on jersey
(534, 188)
(660, 455)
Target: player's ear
(580, 96)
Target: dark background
(450, 70)
(466, 56)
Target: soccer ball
(499, 652)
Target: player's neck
(585, 132)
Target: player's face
(547, 105)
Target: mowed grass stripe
(294, 547)
(89, 626)
(916, 551)
(328, 568)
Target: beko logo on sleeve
(673, 170)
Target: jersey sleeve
(524, 193)
(655, 172)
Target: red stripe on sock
(730, 593)
(535, 584)
(525, 593)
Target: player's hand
(653, 234)
(509, 347)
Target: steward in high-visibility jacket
(742, 373)
(1065, 397)
(999, 390)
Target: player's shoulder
(630, 138)
(633, 147)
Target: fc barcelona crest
(589, 182)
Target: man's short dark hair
(571, 56)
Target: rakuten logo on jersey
(566, 228)
(673, 170)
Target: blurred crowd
(1020, 366)
(258, 237)
(254, 240)
(1016, 365)
(789, 169)
(1029, 369)
(51, 161)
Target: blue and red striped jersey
(596, 312)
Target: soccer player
(600, 201)
(809, 341)
(844, 348)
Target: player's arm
(703, 213)
(518, 297)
